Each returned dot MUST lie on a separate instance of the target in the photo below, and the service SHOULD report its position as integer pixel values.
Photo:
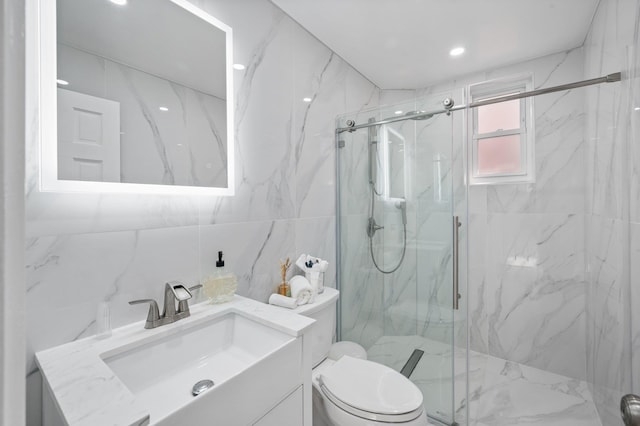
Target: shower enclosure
(401, 241)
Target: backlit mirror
(142, 96)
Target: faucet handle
(154, 313)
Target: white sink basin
(161, 373)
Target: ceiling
(405, 44)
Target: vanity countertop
(87, 391)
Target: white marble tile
(514, 394)
(477, 283)
(534, 294)
(361, 287)
(206, 126)
(319, 74)
(559, 148)
(559, 190)
(317, 237)
(255, 259)
(611, 202)
(634, 300)
(501, 392)
(608, 354)
(264, 149)
(353, 186)
(68, 276)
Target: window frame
(492, 89)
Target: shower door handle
(456, 263)
(630, 410)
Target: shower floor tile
(501, 392)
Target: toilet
(349, 390)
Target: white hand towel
(283, 301)
(301, 290)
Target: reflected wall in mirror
(143, 98)
(392, 164)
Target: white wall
(86, 248)
(12, 327)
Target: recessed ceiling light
(238, 67)
(636, 109)
(119, 2)
(398, 112)
(163, 108)
(306, 99)
(62, 82)
(456, 51)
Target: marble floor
(500, 392)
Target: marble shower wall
(526, 284)
(612, 213)
(526, 289)
(84, 249)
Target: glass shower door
(396, 247)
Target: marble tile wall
(530, 238)
(526, 289)
(84, 249)
(612, 215)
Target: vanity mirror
(136, 96)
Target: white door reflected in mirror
(88, 137)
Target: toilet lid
(371, 390)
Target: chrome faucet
(173, 291)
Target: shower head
(402, 206)
(418, 115)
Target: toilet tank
(323, 310)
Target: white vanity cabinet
(290, 411)
(268, 393)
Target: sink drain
(201, 386)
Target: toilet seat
(371, 391)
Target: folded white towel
(283, 301)
(301, 290)
(316, 279)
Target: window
(502, 142)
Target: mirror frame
(47, 55)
